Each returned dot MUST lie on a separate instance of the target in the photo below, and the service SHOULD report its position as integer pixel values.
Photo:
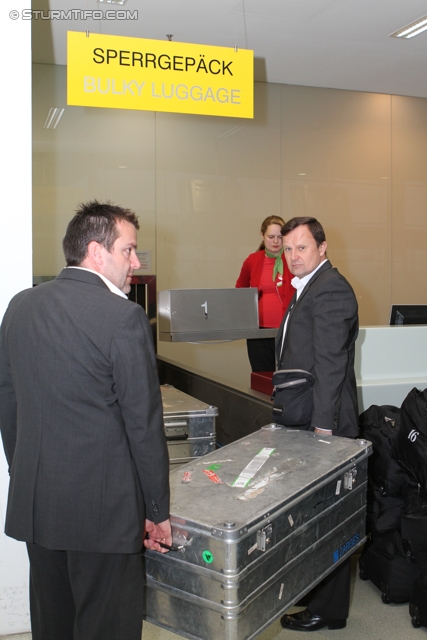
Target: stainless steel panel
(189, 426)
(250, 551)
(176, 403)
(198, 618)
(189, 449)
(209, 314)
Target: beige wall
(202, 185)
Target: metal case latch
(263, 537)
(176, 430)
(350, 479)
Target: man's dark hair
(314, 225)
(94, 221)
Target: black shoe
(307, 621)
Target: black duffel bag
(383, 512)
(380, 425)
(293, 397)
(410, 446)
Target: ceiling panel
(341, 44)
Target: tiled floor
(369, 619)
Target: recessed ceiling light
(112, 1)
(411, 30)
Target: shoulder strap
(285, 326)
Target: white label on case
(252, 548)
(338, 489)
(282, 588)
(291, 520)
(254, 465)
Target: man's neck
(300, 283)
(108, 282)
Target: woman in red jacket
(267, 270)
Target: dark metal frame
(144, 292)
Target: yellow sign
(133, 73)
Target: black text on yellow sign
(155, 75)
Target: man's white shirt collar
(109, 284)
(299, 283)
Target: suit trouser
(76, 595)
(331, 598)
(261, 354)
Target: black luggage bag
(414, 537)
(384, 512)
(380, 425)
(384, 563)
(386, 479)
(410, 445)
(418, 603)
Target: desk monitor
(408, 314)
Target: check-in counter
(390, 361)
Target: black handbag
(293, 397)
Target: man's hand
(155, 533)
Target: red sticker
(186, 477)
(212, 476)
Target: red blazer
(250, 276)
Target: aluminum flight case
(189, 426)
(259, 522)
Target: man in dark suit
(318, 334)
(82, 429)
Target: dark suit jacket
(320, 338)
(81, 417)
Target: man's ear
(323, 248)
(94, 253)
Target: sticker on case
(212, 476)
(251, 469)
(207, 556)
(214, 467)
(186, 477)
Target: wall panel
(217, 179)
(202, 186)
(336, 167)
(102, 154)
(409, 200)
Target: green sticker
(214, 467)
(207, 557)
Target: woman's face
(273, 239)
